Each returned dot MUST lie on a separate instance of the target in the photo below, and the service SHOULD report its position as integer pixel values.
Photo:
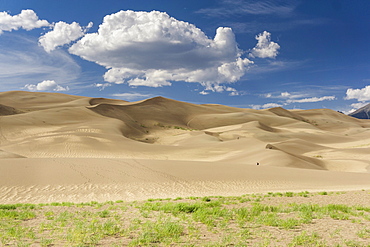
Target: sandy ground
(57, 147)
(39, 180)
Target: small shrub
(7, 207)
(104, 214)
(289, 194)
(206, 199)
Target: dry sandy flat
(57, 147)
(39, 180)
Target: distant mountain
(362, 113)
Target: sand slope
(49, 128)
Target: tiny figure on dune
(258, 163)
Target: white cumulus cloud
(27, 20)
(358, 105)
(62, 34)
(102, 86)
(311, 100)
(131, 96)
(287, 98)
(153, 49)
(47, 85)
(285, 95)
(265, 48)
(355, 107)
(271, 105)
(265, 106)
(361, 95)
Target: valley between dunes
(58, 147)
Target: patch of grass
(272, 219)
(104, 214)
(306, 239)
(324, 193)
(304, 194)
(17, 214)
(210, 216)
(8, 207)
(364, 233)
(206, 199)
(354, 243)
(248, 220)
(49, 215)
(289, 194)
(65, 217)
(277, 194)
(163, 231)
(46, 242)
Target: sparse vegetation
(172, 127)
(313, 122)
(249, 220)
(324, 193)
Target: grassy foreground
(273, 219)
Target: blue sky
(254, 54)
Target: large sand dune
(57, 147)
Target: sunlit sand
(57, 147)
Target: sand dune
(208, 141)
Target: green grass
(306, 239)
(324, 193)
(248, 220)
(364, 233)
(164, 231)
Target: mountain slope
(362, 113)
